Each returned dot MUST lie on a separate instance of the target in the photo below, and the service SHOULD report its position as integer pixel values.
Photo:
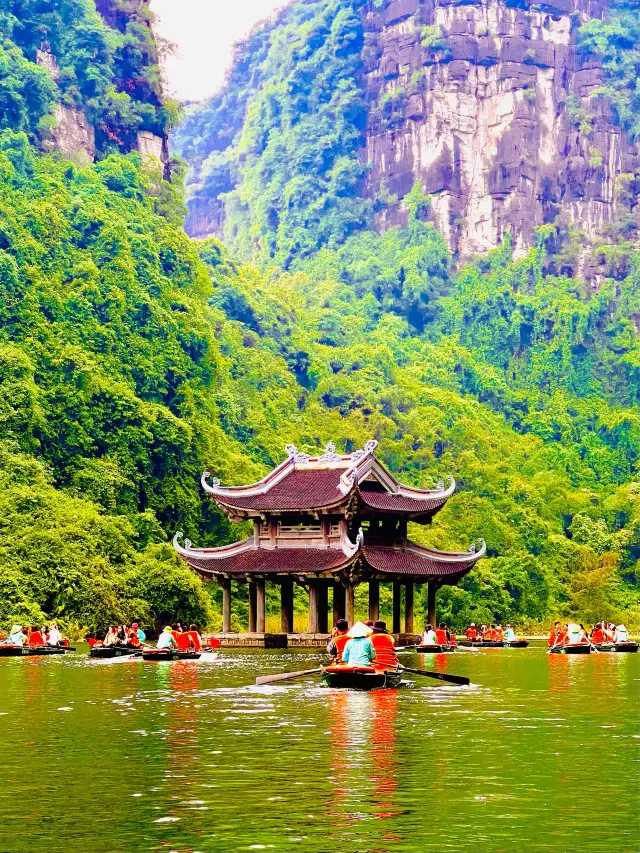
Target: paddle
(441, 676)
(285, 676)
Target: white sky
(204, 31)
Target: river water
(540, 753)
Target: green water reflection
(539, 754)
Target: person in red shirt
(441, 635)
(339, 640)
(382, 642)
(553, 636)
(471, 632)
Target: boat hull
(360, 678)
(435, 649)
(582, 649)
(617, 647)
(114, 652)
(14, 651)
(42, 651)
(517, 644)
(157, 655)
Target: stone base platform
(288, 641)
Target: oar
(286, 676)
(441, 676)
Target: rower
(166, 640)
(554, 635)
(359, 650)
(429, 636)
(336, 644)
(471, 632)
(384, 647)
(509, 634)
(621, 634)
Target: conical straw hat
(359, 630)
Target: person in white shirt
(429, 636)
(620, 635)
(55, 637)
(509, 634)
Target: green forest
(133, 358)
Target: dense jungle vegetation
(132, 359)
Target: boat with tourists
(628, 646)
(158, 655)
(435, 648)
(360, 677)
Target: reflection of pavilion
(328, 522)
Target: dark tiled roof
(279, 561)
(401, 503)
(303, 490)
(395, 561)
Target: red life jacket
(184, 642)
(488, 635)
(597, 635)
(497, 635)
(441, 636)
(197, 645)
(341, 641)
(386, 657)
(553, 638)
(471, 633)
(36, 639)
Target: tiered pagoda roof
(319, 498)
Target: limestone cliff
(482, 119)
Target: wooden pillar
(431, 603)
(260, 606)
(323, 607)
(286, 606)
(397, 607)
(350, 603)
(374, 600)
(313, 607)
(339, 605)
(225, 583)
(408, 607)
(252, 607)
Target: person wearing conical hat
(359, 650)
(17, 637)
(575, 634)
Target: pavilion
(328, 522)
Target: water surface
(539, 754)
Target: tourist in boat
(509, 634)
(384, 647)
(55, 637)
(597, 633)
(609, 632)
(442, 635)
(429, 636)
(339, 640)
(487, 634)
(497, 634)
(621, 634)
(166, 640)
(35, 637)
(575, 634)
(553, 636)
(17, 637)
(471, 632)
(111, 637)
(359, 649)
(138, 634)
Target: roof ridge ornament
(186, 545)
(299, 458)
(330, 454)
(369, 447)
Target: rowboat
(435, 649)
(114, 651)
(476, 644)
(617, 647)
(9, 650)
(516, 644)
(360, 677)
(578, 649)
(168, 654)
(46, 650)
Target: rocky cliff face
(488, 105)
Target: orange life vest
(488, 635)
(497, 635)
(341, 641)
(553, 638)
(563, 638)
(441, 636)
(36, 639)
(386, 657)
(597, 635)
(471, 633)
(197, 645)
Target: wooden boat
(578, 649)
(628, 646)
(435, 649)
(114, 651)
(476, 644)
(360, 677)
(46, 650)
(516, 644)
(9, 650)
(168, 654)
